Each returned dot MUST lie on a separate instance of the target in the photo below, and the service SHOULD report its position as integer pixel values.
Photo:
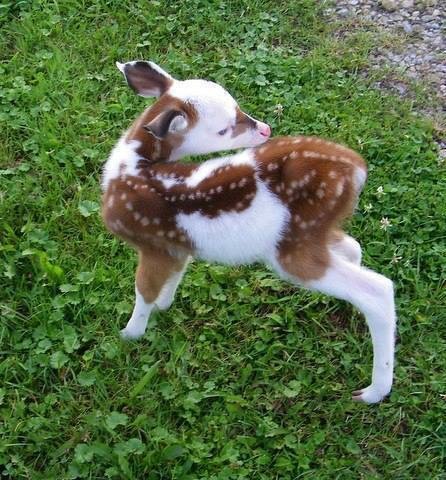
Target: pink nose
(264, 129)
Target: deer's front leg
(157, 277)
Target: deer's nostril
(264, 129)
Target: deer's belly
(238, 237)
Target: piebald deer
(279, 202)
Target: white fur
(136, 326)
(207, 97)
(206, 169)
(371, 294)
(216, 111)
(167, 182)
(360, 176)
(166, 296)
(239, 237)
(348, 248)
(123, 155)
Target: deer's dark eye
(222, 132)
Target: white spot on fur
(320, 193)
(129, 206)
(239, 237)
(339, 188)
(145, 221)
(168, 182)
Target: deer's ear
(168, 121)
(146, 78)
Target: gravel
(421, 53)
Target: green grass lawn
(244, 377)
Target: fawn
(280, 202)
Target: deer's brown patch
(315, 179)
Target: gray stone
(417, 29)
(389, 5)
(428, 3)
(407, 27)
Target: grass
(244, 377)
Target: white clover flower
(368, 208)
(385, 223)
(278, 110)
(380, 191)
(395, 259)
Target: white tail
(281, 203)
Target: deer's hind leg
(157, 277)
(346, 246)
(370, 292)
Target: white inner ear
(178, 124)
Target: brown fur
(242, 123)
(153, 149)
(153, 260)
(313, 177)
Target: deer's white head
(194, 116)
